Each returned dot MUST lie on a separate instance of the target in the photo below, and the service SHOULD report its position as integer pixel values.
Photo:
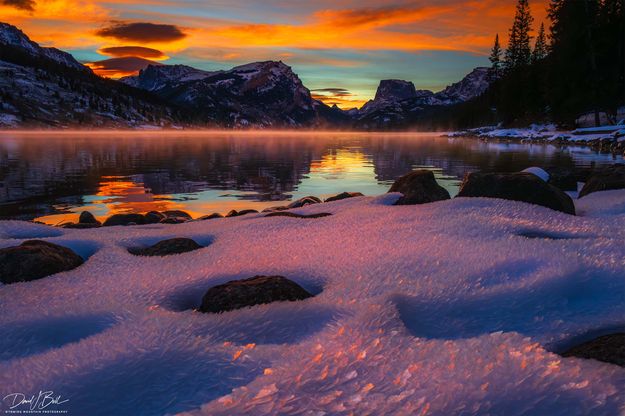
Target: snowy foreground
(437, 309)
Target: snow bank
(440, 309)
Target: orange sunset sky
(340, 48)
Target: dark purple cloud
(335, 92)
(119, 67)
(142, 32)
(20, 4)
(140, 51)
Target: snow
(447, 308)
(541, 173)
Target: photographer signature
(35, 402)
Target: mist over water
(52, 177)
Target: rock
(235, 213)
(80, 226)
(419, 187)
(607, 348)
(177, 214)
(294, 215)
(167, 247)
(605, 179)
(564, 178)
(248, 292)
(307, 200)
(274, 209)
(124, 219)
(35, 259)
(210, 217)
(87, 218)
(524, 187)
(173, 220)
(154, 217)
(343, 195)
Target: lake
(53, 176)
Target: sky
(340, 49)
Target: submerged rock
(307, 200)
(167, 247)
(524, 187)
(419, 187)
(343, 195)
(248, 292)
(607, 348)
(154, 217)
(605, 179)
(124, 219)
(35, 259)
(294, 215)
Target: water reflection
(53, 176)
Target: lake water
(52, 176)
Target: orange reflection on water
(342, 161)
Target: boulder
(210, 217)
(177, 214)
(564, 178)
(607, 348)
(419, 187)
(605, 179)
(235, 213)
(274, 209)
(80, 226)
(343, 195)
(87, 218)
(167, 247)
(307, 200)
(124, 219)
(35, 259)
(154, 217)
(173, 220)
(257, 290)
(294, 215)
(524, 187)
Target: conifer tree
(519, 52)
(495, 58)
(540, 47)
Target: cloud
(139, 51)
(20, 4)
(120, 67)
(340, 97)
(142, 32)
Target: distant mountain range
(45, 87)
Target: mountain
(45, 87)
(260, 94)
(398, 104)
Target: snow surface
(540, 172)
(449, 308)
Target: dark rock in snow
(177, 214)
(87, 218)
(154, 217)
(167, 247)
(173, 220)
(124, 219)
(343, 195)
(563, 178)
(294, 215)
(307, 200)
(248, 292)
(35, 259)
(274, 209)
(80, 226)
(210, 217)
(419, 187)
(607, 348)
(235, 213)
(524, 187)
(605, 179)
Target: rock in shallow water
(419, 187)
(605, 179)
(153, 217)
(124, 219)
(212, 216)
(235, 213)
(87, 218)
(343, 195)
(35, 259)
(167, 247)
(248, 292)
(177, 214)
(307, 200)
(294, 215)
(607, 348)
(523, 187)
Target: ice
(541, 173)
(454, 307)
